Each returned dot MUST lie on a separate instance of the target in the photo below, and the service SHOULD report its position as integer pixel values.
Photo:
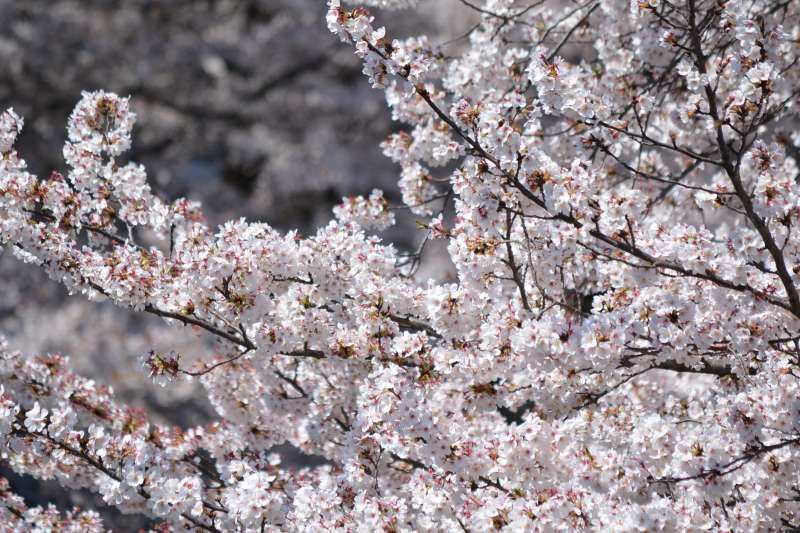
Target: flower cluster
(369, 213)
(619, 349)
(383, 58)
(18, 517)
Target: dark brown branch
(732, 465)
(732, 170)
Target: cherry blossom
(615, 187)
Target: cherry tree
(616, 183)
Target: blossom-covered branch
(624, 319)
